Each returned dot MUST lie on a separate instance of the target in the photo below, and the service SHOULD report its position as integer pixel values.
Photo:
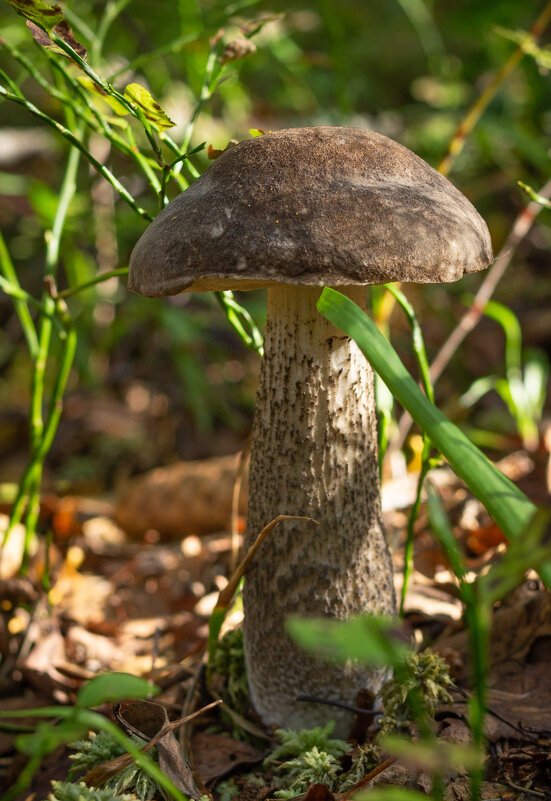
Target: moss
(417, 687)
(102, 747)
(69, 791)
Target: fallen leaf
(217, 755)
(319, 792)
(149, 721)
(481, 540)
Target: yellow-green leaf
(142, 99)
(41, 13)
(112, 102)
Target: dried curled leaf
(38, 12)
(63, 30)
(236, 49)
(143, 100)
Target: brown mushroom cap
(311, 206)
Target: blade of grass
(478, 615)
(508, 506)
(419, 349)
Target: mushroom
(293, 211)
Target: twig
(185, 730)
(73, 290)
(470, 319)
(368, 777)
(537, 793)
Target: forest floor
(140, 604)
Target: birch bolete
(294, 211)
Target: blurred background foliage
(154, 381)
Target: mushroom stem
(314, 453)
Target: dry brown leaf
(216, 755)
(149, 721)
(39, 667)
(319, 792)
(63, 30)
(482, 539)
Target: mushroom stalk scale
(294, 211)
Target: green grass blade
(368, 639)
(508, 506)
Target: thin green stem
(410, 530)
(74, 290)
(168, 172)
(28, 495)
(478, 621)
(241, 321)
(50, 429)
(146, 164)
(213, 73)
(145, 58)
(478, 618)
(73, 140)
(21, 299)
(9, 82)
(112, 11)
(100, 125)
(418, 343)
(32, 474)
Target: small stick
(368, 777)
(537, 793)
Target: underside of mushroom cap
(316, 207)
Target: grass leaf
(114, 687)
(508, 506)
(366, 638)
